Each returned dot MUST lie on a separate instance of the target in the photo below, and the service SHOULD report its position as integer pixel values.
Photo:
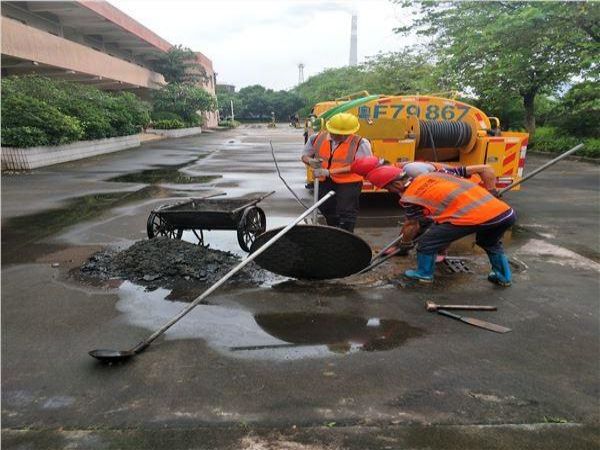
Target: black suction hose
(444, 134)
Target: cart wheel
(155, 226)
(252, 224)
(200, 236)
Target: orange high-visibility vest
(342, 156)
(451, 199)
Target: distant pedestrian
(308, 127)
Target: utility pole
(232, 116)
(300, 73)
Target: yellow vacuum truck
(430, 128)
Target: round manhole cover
(313, 252)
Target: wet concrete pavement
(354, 363)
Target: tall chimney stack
(353, 39)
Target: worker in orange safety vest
(330, 154)
(484, 172)
(475, 173)
(457, 207)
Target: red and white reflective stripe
(522, 156)
(508, 160)
(502, 182)
(479, 118)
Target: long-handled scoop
(112, 356)
(381, 257)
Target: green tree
(257, 102)
(505, 48)
(404, 72)
(225, 98)
(330, 84)
(184, 100)
(579, 110)
(254, 102)
(385, 73)
(180, 65)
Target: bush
(23, 137)
(22, 112)
(168, 124)
(184, 100)
(550, 139)
(579, 110)
(97, 114)
(127, 114)
(229, 123)
(164, 115)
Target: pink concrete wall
(22, 41)
(121, 19)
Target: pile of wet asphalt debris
(169, 263)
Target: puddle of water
(340, 333)
(19, 234)
(238, 333)
(164, 175)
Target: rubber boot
(333, 221)
(425, 269)
(346, 225)
(500, 273)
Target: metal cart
(197, 215)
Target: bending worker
(413, 169)
(330, 154)
(458, 208)
(416, 168)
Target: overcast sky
(262, 41)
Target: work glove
(403, 248)
(320, 173)
(315, 163)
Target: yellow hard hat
(343, 123)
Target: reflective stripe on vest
(452, 199)
(342, 156)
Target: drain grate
(456, 265)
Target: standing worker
(330, 154)
(458, 208)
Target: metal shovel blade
(475, 322)
(486, 325)
(111, 356)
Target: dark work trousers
(487, 235)
(340, 210)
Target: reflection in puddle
(278, 336)
(170, 174)
(341, 333)
(20, 234)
